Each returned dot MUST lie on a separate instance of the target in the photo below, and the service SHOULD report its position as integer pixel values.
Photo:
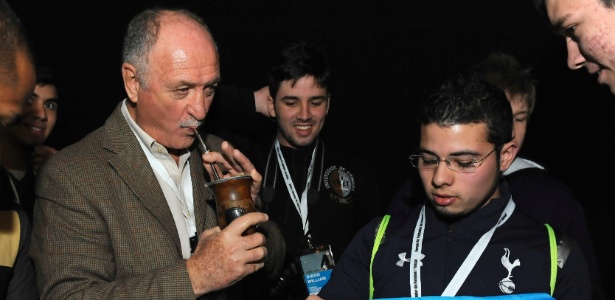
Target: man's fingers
(242, 223)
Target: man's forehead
(301, 87)
(471, 133)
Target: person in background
(535, 191)
(589, 29)
(17, 66)
(318, 194)
(17, 80)
(468, 237)
(123, 212)
(22, 146)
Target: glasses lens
(424, 162)
(414, 160)
(457, 164)
(462, 165)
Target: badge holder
(317, 264)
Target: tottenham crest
(340, 183)
(507, 286)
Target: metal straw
(204, 150)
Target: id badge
(317, 267)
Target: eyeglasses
(461, 164)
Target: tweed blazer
(103, 227)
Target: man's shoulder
(536, 183)
(82, 156)
(87, 143)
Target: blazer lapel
(132, 166)
(203, 209)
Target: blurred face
(300, 112)
(451, 193)
(183, 74)
(39, 116)
(521, 116)
(12, 97)
(589, 29)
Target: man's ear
(328, 103)
(131, 84)
(270, 106)
(507, 155)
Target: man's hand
(223, 257)
(40, 155)
(260, 101)
(231, 162)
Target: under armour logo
(403, 259)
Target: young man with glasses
(466, 238)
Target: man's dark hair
(46, 76)
(13, 38)
(297, 61)
(468, 99)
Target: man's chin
(447, 215)
(605, 77)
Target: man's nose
(576, 60)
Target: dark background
(385, 56)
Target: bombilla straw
(204, 150)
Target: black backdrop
(385, 56)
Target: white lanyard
(466, 266)
(300, 205)
(185, 198)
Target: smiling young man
(22, 146)
(589, 29)
(467, 238)
(318, 194)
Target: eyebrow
(211, 83)
(524, 111)
(458, 153)
(558, 24)
(291, 97)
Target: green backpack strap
(381, 229)
(560, 250)
(553, 247)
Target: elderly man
(123, 212)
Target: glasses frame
(448, 163)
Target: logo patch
(341, 183)
(507, 286)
